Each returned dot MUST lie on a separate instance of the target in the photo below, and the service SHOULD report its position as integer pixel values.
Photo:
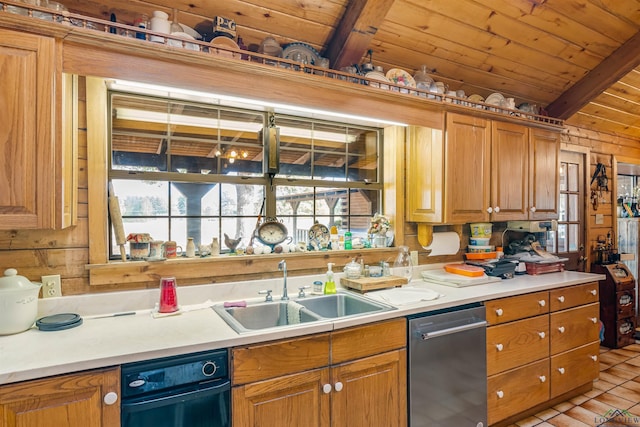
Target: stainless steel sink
(273, 314)
(261, 315)
(342, 305)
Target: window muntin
(187, 169)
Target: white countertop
(108, 341)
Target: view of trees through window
(182, 168)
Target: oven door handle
(151, 402)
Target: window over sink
(185, 165)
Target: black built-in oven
(180, 391)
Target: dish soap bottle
(329, 284)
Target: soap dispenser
(329, 284)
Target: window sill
(227, 268)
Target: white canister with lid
(18, 302)
(159, 23)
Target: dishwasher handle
(454, 330)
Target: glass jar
(403, 265)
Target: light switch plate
(599, 219)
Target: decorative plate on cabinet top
(307, 53)
(400, 77)
(496, 99)
(378, 76)
(193, 33)
(475, 98)
(223, 42)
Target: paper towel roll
(444, 243)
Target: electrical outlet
(51, 286)
(414, 257)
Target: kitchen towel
(444, 243)
(293, 312)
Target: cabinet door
(509, 171)
(370, 392)
(425, 171)
(517, 343)
(574, 327)
(517, 390)
(467, 152)
(75, 400)
(291, 400)
(544, 178)
(27, 139)
(574, 368)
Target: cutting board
(365, 284)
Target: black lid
(59, 322)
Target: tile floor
(618, 388)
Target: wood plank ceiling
(578, 59)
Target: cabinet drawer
(363, 341)
(574, 368)
(573, 296)
(263, 361)
(574, 327)
(518, 307)
(514, 391)
(517, 343)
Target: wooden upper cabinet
(509, 171)
(544, 177)
(33, 157)
(467, 167)
(425, 183)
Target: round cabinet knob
(496, 209)
(561, 298)
(500, 394)
(326, 389)
(542, 378)
(542, 335)
(499, 347)
(533, 209)
(594, 292)
(499, 312)
(110, 398)
(594, 357)
(561, 329)
(338, 386)
(561, 370)
(594, 319)
(542, 303)
(489, 209)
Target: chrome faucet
(282, 266)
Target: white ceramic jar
(18, 302)
(159, 23)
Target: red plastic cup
(168, 295)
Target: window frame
(270, 183)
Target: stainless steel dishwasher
(448, 368)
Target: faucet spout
(282, 266)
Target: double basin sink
(278, 313)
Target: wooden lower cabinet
(372, 391)
(574, 368)
(291, 400)
(75, 400)
(534, 357)
(363, 387)
(514, 391)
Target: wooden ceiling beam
(353, 35)
(596, 81)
